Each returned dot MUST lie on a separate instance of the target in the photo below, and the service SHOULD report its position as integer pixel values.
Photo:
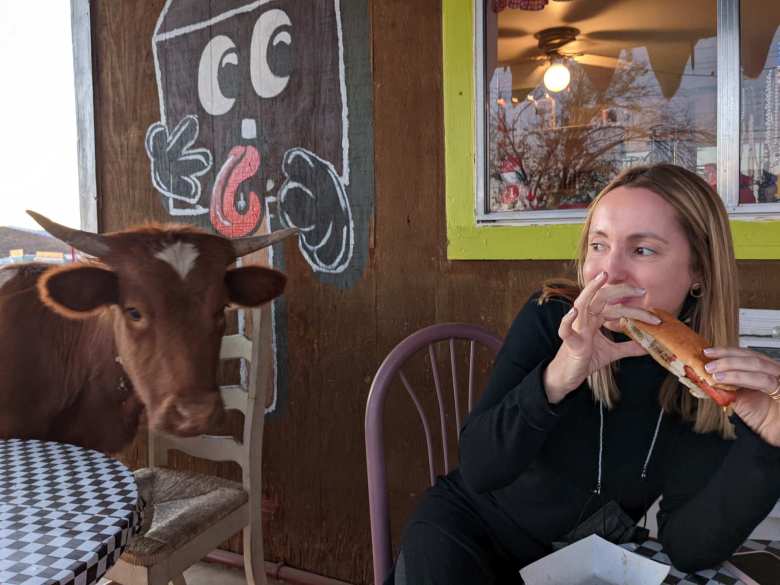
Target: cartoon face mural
(254, 121)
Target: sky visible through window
(38, 150)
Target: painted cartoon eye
(271, 55)
(217, 55)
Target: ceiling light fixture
(557, 77)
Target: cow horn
(87, 242)
(244, 246)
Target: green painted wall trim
(754, 240)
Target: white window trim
(759, 328)
(727, 138)
(85, 108)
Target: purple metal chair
(375, 452)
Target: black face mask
(609, 522)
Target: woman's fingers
(567, 332)
(585, 298)
(722, 352)
(744, 368)
(746, 362)
(615, 312)
(752, 380)
(565, 329)
(613, 296)
(626, 349)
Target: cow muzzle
(189, 417)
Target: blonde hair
(714, 315)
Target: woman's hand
(758, 376)
(585, 348)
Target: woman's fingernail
(601, 274)
(718, 375)
(656, 321)
(640, 291)
(710, 367)
(709, 351)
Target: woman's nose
(615, 265)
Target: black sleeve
(712, 503)
(510, 422)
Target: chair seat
(182, 505)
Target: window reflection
(641, 89)
(760, 102)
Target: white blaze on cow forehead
(181, 256)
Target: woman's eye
(642, 251)
(133, 313)
(596, 246)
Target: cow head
(164, 290)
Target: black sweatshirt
(529, 468)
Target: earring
(697, 290)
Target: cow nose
(198, 417)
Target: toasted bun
(674, 339)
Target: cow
(87, 348)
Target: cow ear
(251, 286)
(78, 290)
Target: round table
(66, 513)
(652, 549)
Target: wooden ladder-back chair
(195, 513)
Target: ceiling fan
(550, 64)
(594, 33)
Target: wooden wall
(316, 509)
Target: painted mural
(265, 122)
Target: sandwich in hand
(680, 350)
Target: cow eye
(133, 313)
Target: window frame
(473, 235)
(759, 328)
(85, 112)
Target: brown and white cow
(86, 347)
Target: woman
(578, 422)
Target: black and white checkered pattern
(66, 513)
(719, 576)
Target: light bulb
(557, 77)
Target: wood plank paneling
(316, 510)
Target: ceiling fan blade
(583, 10)
(529, 54)
(533, 62)
(511, 32)
(758, 28)
(593, 60)
(634, 37)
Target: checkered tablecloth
(718, 576)
(66, 513)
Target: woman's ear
(250, 286)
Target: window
(759, 329)
(640, 82)
(759, 160)
(47, 154)
(574, 95)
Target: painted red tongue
(242, 162)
